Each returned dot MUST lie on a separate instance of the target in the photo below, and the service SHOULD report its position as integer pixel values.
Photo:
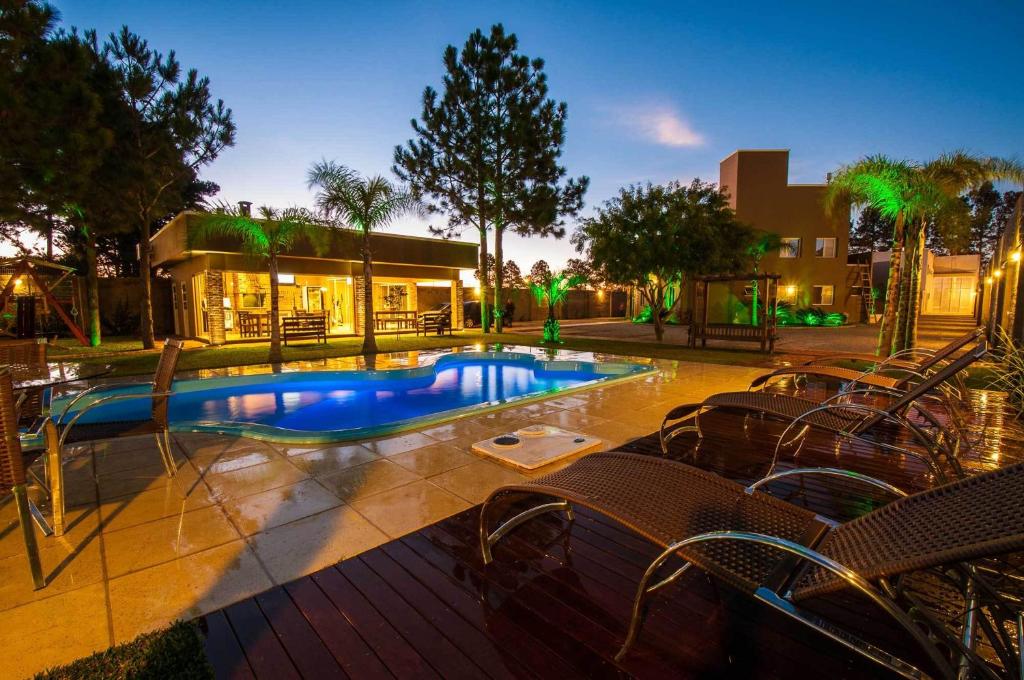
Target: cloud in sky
(661, 125)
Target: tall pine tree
(486, 152)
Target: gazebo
(763, 331)
(31, 282)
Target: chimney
(828, 178)
(245, 208)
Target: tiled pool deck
(242, 515)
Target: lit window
(790, 247)
(824, 247)
(823, 295)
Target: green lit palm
(367, 204)
(552, 291)
(266, 236)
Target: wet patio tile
(255, 479)
(185, 588)
(432, 460)
(306, 545)
(474, 482)
(409, 507)
(271, 508)
(470, 427)
(54, 631)
(399, 444)
(165, 539)
(146, 506)
(366, 479)
(333, 459)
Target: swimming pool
(330, 406)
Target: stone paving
(242, 515)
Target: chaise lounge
(785, 556)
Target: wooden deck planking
(556, 601)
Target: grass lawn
(126, 358)
(174, 652)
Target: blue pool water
(337, 405)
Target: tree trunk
(92, 290)
(499, 308)
(369, 341)
(909, 285)
(145, 258)
(885, 332)
(485, 318)
(49, 241)
(916, 291)
(275, 313)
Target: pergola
(763, 332)
(53, 283)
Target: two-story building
(813, 256)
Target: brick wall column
(360, 298)
(457, 298)
(215, 306)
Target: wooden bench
(435, 322)
(304, 327)
(253, 324)
(731, 331)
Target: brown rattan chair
(843, 417)
(14, 463)
(157, 425)
(27, 360)
(891, 373)
(786, 556)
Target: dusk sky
(655, 91)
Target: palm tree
(943, 180)
(266, 237)
(766, 242)
(365, 204)
(552, 291)
(892, 188)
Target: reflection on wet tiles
(400, 444)
(432, 460)
(262, 511)
(333, 459)
(366, 479)
(410, 507)
(255, 479)
(476, 481)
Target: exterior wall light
(997, 273)
(17, 281)
(790, 290)
(988, 280)
(1015, 256)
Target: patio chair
(14, 463)
(894, 372)
(842, 417)
(785, 556)
(28, 359)
(913, 357)
(159, 392)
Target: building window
(788, 294)
(824, 247)
(790, 247)
(823, 295)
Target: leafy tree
(511, 274)
(540, 272)
(366, 204)
(654, 237)
(486, 151)
(872, 231)
(265, 237)
(579, 270)
(552, 292)
(177, 128)
(765, 242)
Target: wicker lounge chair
(891, 373)
(784, 556)
(844, 418)
(14, 462)
(157, 425)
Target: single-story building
(215, 285)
